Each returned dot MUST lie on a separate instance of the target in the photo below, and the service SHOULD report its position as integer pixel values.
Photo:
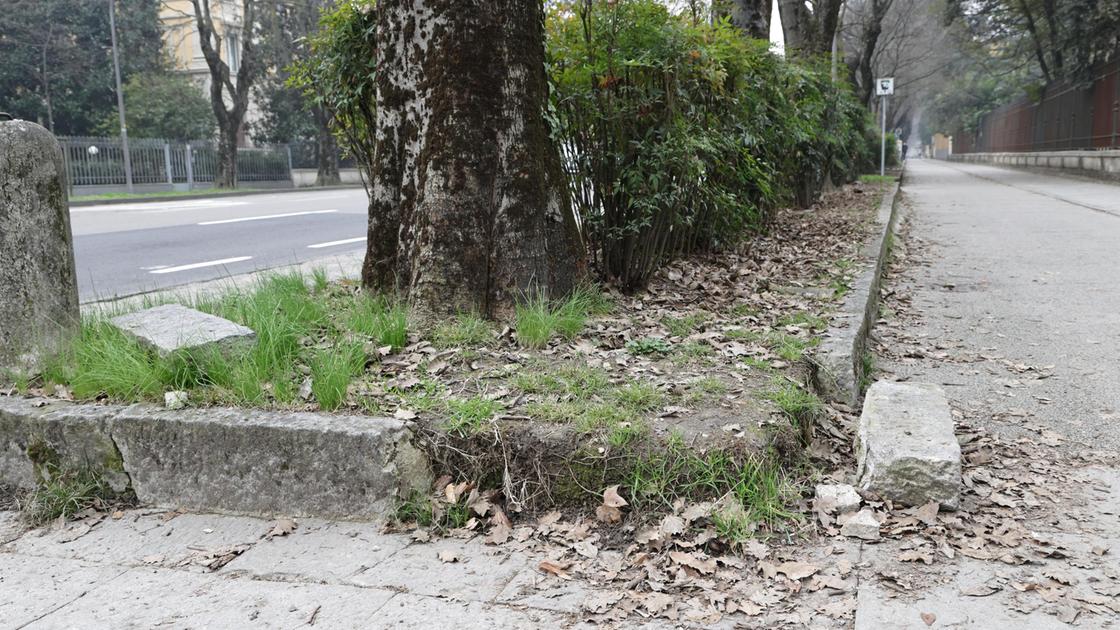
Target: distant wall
(305, 177)
(1099, 164)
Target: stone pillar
(38, 285)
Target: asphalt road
(127, 248)
(1024, 267)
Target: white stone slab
(172, 327)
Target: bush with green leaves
(681, 135)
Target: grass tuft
(63, 494)
(466, 330)
(467, 416)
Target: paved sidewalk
(150, 568)
(1008, 300)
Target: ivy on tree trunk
(469, 210)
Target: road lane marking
(268, 216)
(209, 263)
(333, 243)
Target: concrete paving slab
(532, 588)
(132, 540)
(151, 598)
(172, 327)
(318, 551)
(412, 611)
(31, 588)
(480, 574)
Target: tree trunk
(809, 32)
(326, 151)
(469, 210)
(226, 174)
(750, 16)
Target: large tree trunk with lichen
(468, 207)
(750, 16)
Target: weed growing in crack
(62, 494)
(867, 370)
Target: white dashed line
(210, 263)
(267, 216)
(333, 243)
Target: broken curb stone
(839, 498)
(175, 400)
(171, 328)
(38, 286)
(907, 451)
(862, 525)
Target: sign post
(883, 88)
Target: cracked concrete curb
(222, 460)
(837, 365)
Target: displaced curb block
(223, 460)
(213, 195)
(837, 365)
(906, 449)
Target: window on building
(233, 53)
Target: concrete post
(38, 284)
(190, 169)
(167, 164)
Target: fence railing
(1069, 116)
(98, 161)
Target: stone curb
(837, 365)
(215, 195)
(239, 461)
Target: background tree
(809, 25)
(229, 93)
(288, 116)
(751, 16)
(469, 208)
(159, 105)
(55, 61)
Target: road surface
(127, 248)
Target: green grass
(804, 319)
(467, 416)
(677, 472)
(877, 179)
(867, 370)
(705, 387)
(63, 494)
(798, 404)
(684, 326)
(789, 347)
(384, 321)
(538, 320)
(466, 330)
(639, 396)
(331, 372)
(570, 381)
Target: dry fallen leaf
(929, 618)
(797, 570)
(611, 498)
(554, 568)
(282, 527)
(689, 560)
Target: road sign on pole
(883, 88)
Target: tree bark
(469, 210)
(872, 29)
(750, 16)
(809, 32)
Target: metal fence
(1068, 117)
(97, 161)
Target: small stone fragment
(862, 525)
(175, 400)
(837, 498)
